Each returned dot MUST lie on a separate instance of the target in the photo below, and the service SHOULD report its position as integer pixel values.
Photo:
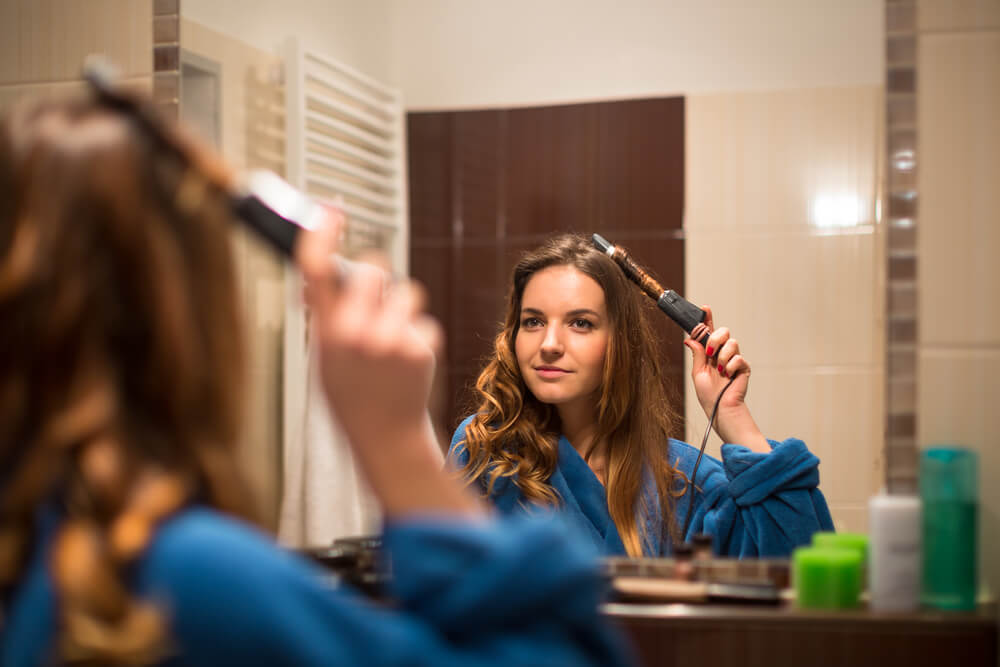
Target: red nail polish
(720, 368)
(709, 351)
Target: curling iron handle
(683, 312)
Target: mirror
(735, 150)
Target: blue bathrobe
(753, 504)
(513, 591)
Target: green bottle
(949, 490)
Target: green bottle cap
(949, 473)
(852, 541)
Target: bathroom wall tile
(785, 159)
(850, 518)
(140, 37)
(958, 392)
(49, 40)
(14, 93)
(901, 80)
(934, 15)
(790, 299)
(9, 94)
(161, 7)
(902, 111)
(902, 394)
(901, 50)
(166, 58)
(900, 16)
(902, 237)
(166, 29)
(902, 301)
(166, 87)
(959, 237)
(9, 61)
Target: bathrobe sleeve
(754, 504)
(513, 591)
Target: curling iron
(690, 317)
(272, 208)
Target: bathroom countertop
(747, 636)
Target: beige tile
(787, 159)
(140, 20)
(959, 222)
(791, 299)
(9, 94)
(48, 40)
(958, 388)
(957, 14)
(958, 392)
(9, 44)
(837, 415)
(850, 518)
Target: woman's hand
(712, 367)
(376, 344)
(376, 354)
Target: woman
(573, 412)
(123, 537)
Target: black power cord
(701, 452)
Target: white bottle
(895, 552)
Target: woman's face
(563, 336)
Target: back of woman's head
(120, 352)
(514, 434)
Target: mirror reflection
(732, 151)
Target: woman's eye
(581, 324)
(531, 322)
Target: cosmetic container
(851, 541)
(949, 490)
(894, 566)
(826, 578)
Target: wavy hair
(121, 358)
(514, 435)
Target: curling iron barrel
(690, 317)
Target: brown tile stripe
(901, 249)
(167, 56)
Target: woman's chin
(553, 397)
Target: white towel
(324, 495)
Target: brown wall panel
(429, 170)
(640, 153)
(550, 169)
(478, 163)
(477, 303)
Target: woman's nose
(552, 343)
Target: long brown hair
(513, 434)
(121, 357)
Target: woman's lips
(550, 372)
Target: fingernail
(720, 368)
(709, 351)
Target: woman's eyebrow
(576, 312)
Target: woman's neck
(580, 428)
